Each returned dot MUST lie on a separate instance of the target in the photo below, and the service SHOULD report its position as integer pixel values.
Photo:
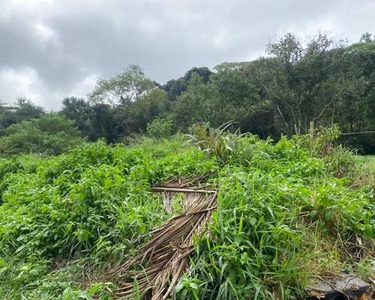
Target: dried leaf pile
(166, 255)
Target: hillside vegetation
(287, 212)
(298, 83)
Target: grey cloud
(68, 43)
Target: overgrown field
(286, 214)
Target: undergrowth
(285, 214)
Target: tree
(175, 88)
(203, 72)
(49, 134)
(357, 108)
(304, 83)
(124, 87)
(23, 109)
(228, 96)
(104, 123)
(160, 128)
(365, 38)
(194, 105)
(27, 110)
(79, 111)
(234, 96)
(147, 108)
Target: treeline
(296, 84)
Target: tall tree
(302, 82)
(194, 105)
(366, 38)
(103, 123)
(124, 87)
(175, 88)
(357, 108)
(79, 111)
(203, 72)
(22, 110)
(234, 96)
(149, 107)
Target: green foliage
(79, 111)
(297, 81)
(23, 110)
(324, 143)
(65, 220)
(49, 134)
(160, 128)
(221, 144)
(175, 88)
(228, 96)
(122, 88)
(92, 205)
(120, 106)
(103, 122)
(194, 105)
(275, 214)
(235, 97)
(147, 108)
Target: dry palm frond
(174, 186)
(166, 255)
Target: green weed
(284, 214)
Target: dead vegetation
(154, 272)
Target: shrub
(159, 128)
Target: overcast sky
(50, 49)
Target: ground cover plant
(287, 213)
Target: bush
(50, 134)
(159, 128)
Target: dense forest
(296, 85)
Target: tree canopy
(297, 82)
(49, 134)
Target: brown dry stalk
(166, 255)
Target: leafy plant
(282, 214)
(159, 128)
(219, 143)
(50, 134)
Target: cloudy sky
(50, 49)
